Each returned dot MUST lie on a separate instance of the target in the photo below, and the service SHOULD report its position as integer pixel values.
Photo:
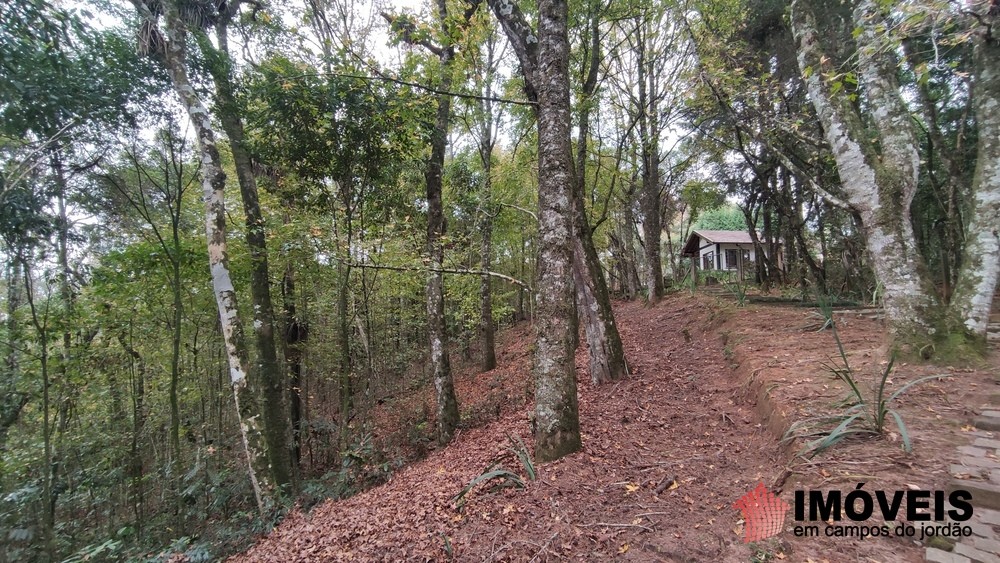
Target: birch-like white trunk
(268, 376)
(878, 183)
(213, 186)
(977, 280)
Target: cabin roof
(692, 246)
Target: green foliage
(333, 127)
(766, 551)
(59, 72)
(107, 550)
(362, 466)
(25, 220)
(700, 196)
(723, 218)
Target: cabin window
(732, 259)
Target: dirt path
(666, 452)
(780, 352)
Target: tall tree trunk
(628, 241)
(213, 185)
(878, 181)
(41, 325)
(12, 401)
(486, 142)
(486, 327)
(175, 342)
(557, 430)
(797, 230)
(604, 343)
(673, 253)
(650, 191)
(295, 336)
(977, 280)
(138, 423)
(544, 60)
(945, 184)
(64, 386)
(622, 246)
(522, 258)
(447, 403)
(268, 376)
(345, 384)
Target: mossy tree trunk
(544, 60)
(489, 118)
(649, 132)
(878, 172)
(977, 279)
(604, 343)
(447, 403)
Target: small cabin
(731, 251)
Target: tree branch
(522, 38)
(819, 190)
(521, 209)
(405, 28)
(385, 78)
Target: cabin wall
(719, 258)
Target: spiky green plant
(520, 451)
(862, 413)
(505, 477)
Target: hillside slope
(673, 427)
(666, 451)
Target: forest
(232, 231)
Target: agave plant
(505, 477)
(862, 413)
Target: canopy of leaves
(723, 218)
(56, 71)
(324, 128)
